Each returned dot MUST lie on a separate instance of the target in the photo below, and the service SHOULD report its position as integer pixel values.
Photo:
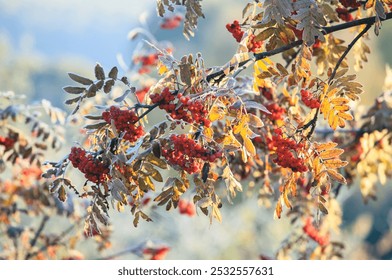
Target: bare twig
(41, 227)
(325, 30)
(349, 47)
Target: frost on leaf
(310, 18)
(193, 11)
(277, 10)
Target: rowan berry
(235, 29)
(7, 142)
(287, 151)
(253, 45)
(344, 14)
(186, 153)
(350, 3)
(314, 234)
(124, 121)
(93, 169)
(277, 112)
(186, 109)
(186, 207)
(309, 100)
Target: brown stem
(41, 227)
(349, 47)
(325, 30)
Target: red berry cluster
(146, 62)
(94, 170)
(171, 22)
(308, 99)
(156, 253)
(188, 154)
(358, 151)
(235, 29)
(124, 121)
(344, 14)
(317, 44)
(253, 45)
(7, 142)
(190, 111)
(267, 92)
(350, 3)
(313, 233)
(141, 93)
(186, 207)
(277, 112)
(287, 150)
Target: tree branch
(41, 227)
(349, 47)
(326, 30)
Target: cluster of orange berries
(124, 121)
(190, 111)
(286, 152)
(93, 169)
(266, 92)
(253, 45)
(141, 93)
(187, 154)
(350, 3)
(308, 99)
(186, 207)
(277, 112)
(158, 253)
(344, 14)
(146, 62)
(313, 233)
(235, 29)
(7, 142)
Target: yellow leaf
(255, 121)
(216, 114)
(231, 140)
(316, 165)
(331, 153)
(345, 116)
(369, 4)
(162, 69)
(249, 145)
(335, 163)
(333, 120)
(339, 101)
(286, 199)
(336, 176)
(341, 123)
(325, 108)
(278, 210)
(242, 124)
(261, 65)
(208, 132)
(332, 92)
(342, 107)
(325, 146)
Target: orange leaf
(331, 153)
(335, 163)
(336, 176)
(325, 146)
(278, 210)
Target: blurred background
(42, 40)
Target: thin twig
(325, 30)
(55, 241)
(349, 47)
(41, 227)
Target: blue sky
(94, 30)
